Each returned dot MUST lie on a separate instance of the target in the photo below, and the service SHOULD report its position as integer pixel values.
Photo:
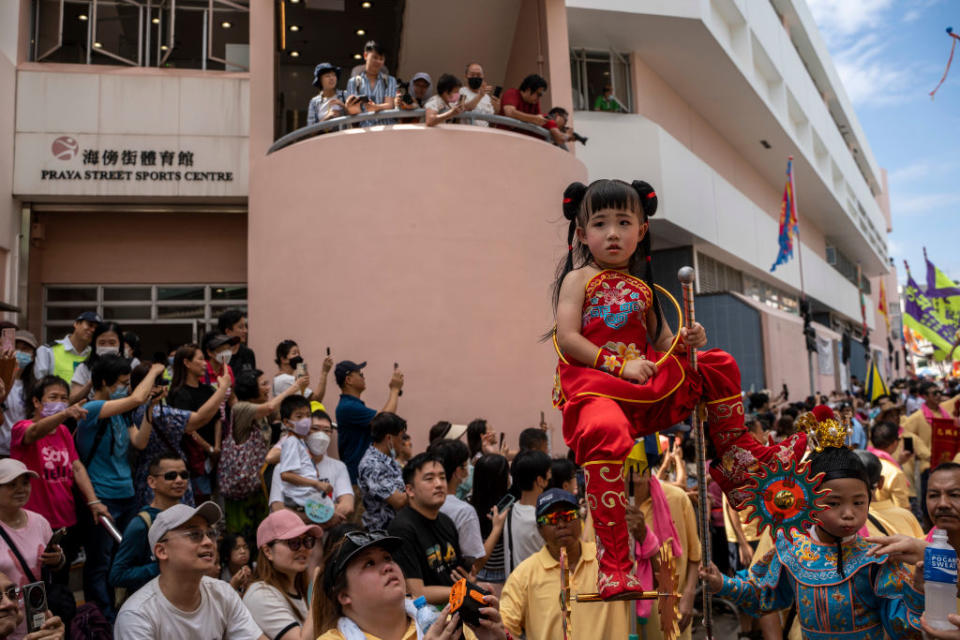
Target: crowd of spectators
(371, 89)
(245, 508)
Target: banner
(920, 315)
(825, 356)
(875, 386)
(788, 220)
(942, 291)
(945, 441)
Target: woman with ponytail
(610, 333)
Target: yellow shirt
(531, 600)
(685, 521)
(334, 634)
(749, 530)
(895, 485)
(902, 520)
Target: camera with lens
(405, 87)
(35, 605)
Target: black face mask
(474, 83)
(296, 361)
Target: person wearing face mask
(14, 407)
(478, 94)
(330, 469)
(218, 348)
(103, 438)
(300, 480)
(107, 340)
(448, 102)
(379, 476)
(288, 359)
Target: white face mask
(223, 357)
(103, 351)
(318, 443)
(302, 426)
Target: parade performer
(839, 590)
(610, 332)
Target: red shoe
(738, 452)
(607, 502)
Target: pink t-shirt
(52, 456)
(30, 540)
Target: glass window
(65, 313)
(177, 312)
(228, 293)
(122, 294)
(135, 312)
(592, 72)
(71, 294)
(180, 293)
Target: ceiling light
(294, 27)
(366, 5)
(225, 24)
(357, 56)
(82, 17)
(361, 32)
(97, 45)
(163, 47)
(155, 21)
(294, 54)
(294, 1)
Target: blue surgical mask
(120, 392)
(23, 359)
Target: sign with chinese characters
(127, 165)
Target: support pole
(686, 277)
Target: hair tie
(652, 194)
(649, 258)
(569, 247)
(567, 200)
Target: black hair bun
(648, 197)
(572, 199)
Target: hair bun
(648, 197)
(572, 199)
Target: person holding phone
(291, 367)
(374, 84)
(447, 104)
(478, 95)
(492, 502)
(11, 615)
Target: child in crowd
(610, 333)
(839, 590)
(301, 483)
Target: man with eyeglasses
(530, 601)
(523, 104)
(11, 614)
(133, 564)
(183, 601)
(920, 425)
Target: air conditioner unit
(831, 256)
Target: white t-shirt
(147, 615)
(335, 472)
(13, 413)
(295, 458)
(468, 526)
(438, 104)
(484, 106)
(271, 611)
(283, 381)
(521, 535)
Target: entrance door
(158, 340)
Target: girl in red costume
(610, 332)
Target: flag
(876, 387)
(863, 309)
(882, 307)
(942, 291)
(788, 220)
(920, 315)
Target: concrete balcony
(433, 248)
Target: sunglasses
(559, 516)
(170, 476)
(12, 593)
(294, 544)
(196, 536)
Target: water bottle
(426, 615)
(940, 581)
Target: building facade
(137, 178)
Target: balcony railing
(346, 122)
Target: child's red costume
(603, 413)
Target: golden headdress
(823, 428)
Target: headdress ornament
(823, 428)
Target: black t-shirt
(430, 551)
(191, 399)
(243, 360)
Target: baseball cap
(551, 497)
(284, 525)
(11, 469)
(353, 543)
(422, 76)
(25, 336)
(217, 340)
(322, 68)
(89, 316)
(344, 368)
(178, 515)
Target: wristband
(93, 502)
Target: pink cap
(284, 525)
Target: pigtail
(572, 200)
(648, 202)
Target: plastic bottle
(940, 581)
(426, 615)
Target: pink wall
(541, 35)
(434, 248)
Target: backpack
(90, 624)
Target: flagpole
(803, 295)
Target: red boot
(607, 502)
(738, 452)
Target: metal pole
(686, 277)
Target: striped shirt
(385, 87)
